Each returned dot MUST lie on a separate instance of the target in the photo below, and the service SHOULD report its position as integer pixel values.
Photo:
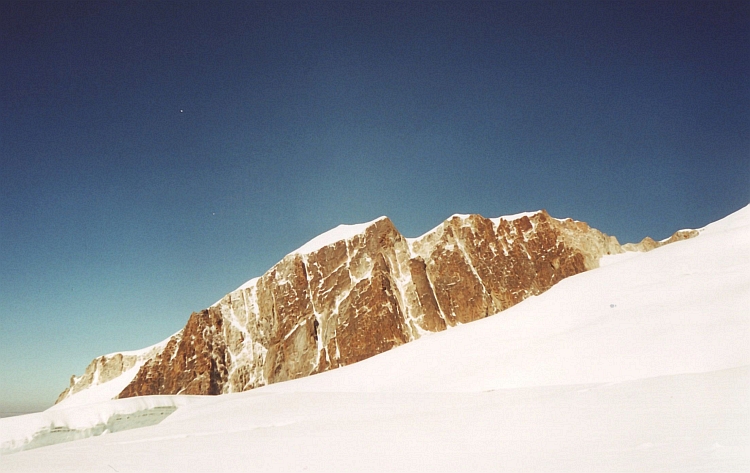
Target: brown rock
(194, 363)
(361, 296)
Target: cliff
(360, 290)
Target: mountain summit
(353, 292)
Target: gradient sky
(154, 156)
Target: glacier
(640, 365)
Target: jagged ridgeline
(357, 291)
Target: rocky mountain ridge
(357, 291)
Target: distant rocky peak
(359, 290)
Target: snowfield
(640, 365)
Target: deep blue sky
(156, 155)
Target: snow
(64, 423)
(100, 392)
(607, 260)
(683, 230)
(495, 221)
(641, 365)
(142, 351)
(249, 284)
(246, 285)
(507, 218)
(510, 218)
(342, 232)
(105, 391)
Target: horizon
(157, 156)
(630, 366)
(35, 410)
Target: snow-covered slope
(341, 232)
(359, 290)
(641, 365)
(105, 374)
(77, 421)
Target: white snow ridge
(341, 232)
(641, 365)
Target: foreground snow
(65, 424)
(642, 365)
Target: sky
(156, 155)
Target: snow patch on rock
(341, 232)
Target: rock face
(108, 367)
(362, 290)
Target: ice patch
(76, 422)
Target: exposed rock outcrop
(108, 367)
(192, 362)
(344, 300)
(648, 243)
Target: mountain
(354, 292)
(110, 367)
(640, 365)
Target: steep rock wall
(339, 302)
(366, 294)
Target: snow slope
(341, 232)
(641, 365)
(100, 392)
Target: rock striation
(360, 290)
